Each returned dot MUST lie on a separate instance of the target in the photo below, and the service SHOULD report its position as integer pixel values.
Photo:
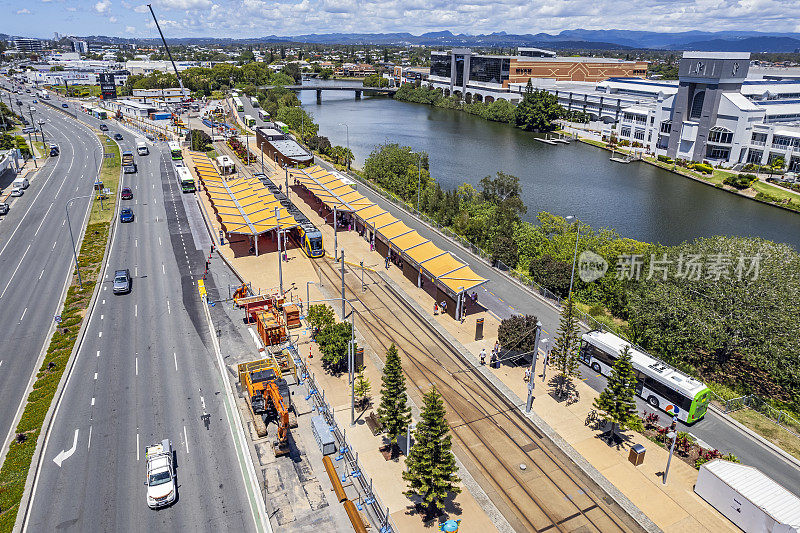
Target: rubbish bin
(636, 455)
(478, 329)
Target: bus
(661, 385)
(99, 113)
(254, 101)
(238, 103)
(249, 120)
(186, 179)
(263, 115)
(175, 150)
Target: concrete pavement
(145, 372)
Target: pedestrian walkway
(673, 507)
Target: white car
(17, 191)
(160, 482)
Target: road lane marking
(101, 317)
(43, 219)
(186, 439)
(63, 455)
(137, 366)
(135, 309)
(104, 302)
(174, 356)
(162, 269)
(137, 446)
(99, 333)
(23, 314)
(98, 353)
(42, 274)
(95, 375)
(168, 309)
(136, 243)
(15, 270)
(92, 400)
(54, 247)
(159, 241)
(89, 445)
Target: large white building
(714, 112)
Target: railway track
(491, 435)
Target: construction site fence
(369, 500)
(758, 404)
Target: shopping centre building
(715, 111)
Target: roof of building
(290, 148)
(691, 54)
(741, 101)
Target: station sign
(108, 90)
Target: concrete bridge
(389, 91)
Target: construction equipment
(269, 399)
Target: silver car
(122, 281)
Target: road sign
(109, 156)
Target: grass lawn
(109, 175)
(771, 431)
(777, 192)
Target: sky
(254, 18)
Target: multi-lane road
(36, 252)
(145, 371)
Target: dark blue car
(126, 215)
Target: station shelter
(420, 259)
(243, 206)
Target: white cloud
(102, 6)
(130, 29)
(141, 8)
(71, 8)
(185, 5)
(112, 19)
(23, 11)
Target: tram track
(490, 431)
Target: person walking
(497, 346)
(527, 374)
(483, 356)
(493, 363)
(435, 309)
(387, 262)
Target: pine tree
(431, 465)
(565, 350)
(616, 402)
(394, 412)
(362, 387)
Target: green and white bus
(661, 385)
(238, 103)
(175, 150)
(186, 179)
(249, 120)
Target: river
(637, 200)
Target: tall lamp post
(574, 255)
(419, 178)
(69, 225)
(347, 132)
(529, 402)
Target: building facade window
(638, 134)
(720, 135)
(717, 152)
(759, 139)
(697, 105)
(625, 131)
(489, 69)
(666, 126)
(754, 156)
(636, 119)
(440, 65)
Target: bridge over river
(358, 90)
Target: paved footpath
(672, 507)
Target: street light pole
(335, 236)
(529, 402)
(419, 178)
(33, 153)
(280, 256)
(72, 237)
(574, 256)
(347, 131)
(674, 435)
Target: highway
(144, 372)
(36, 253)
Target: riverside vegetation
(726, 309)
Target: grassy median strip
(14, 471)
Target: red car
(127, 193)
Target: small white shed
(748, 498)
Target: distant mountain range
(734, 41)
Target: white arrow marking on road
(66, 454)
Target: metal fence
(369, 501)
(758, 404)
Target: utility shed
(748, 498)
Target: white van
(21, 183)
(141, 148)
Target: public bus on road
(186, 179)
(238, 103)
(175, 150)
(254, 101)
(263, 115)
(249, 120)
(661, 385)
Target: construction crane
(180, 81)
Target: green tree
(538, 110)
(394, 412)
(616, 402)
(362, 388)
(551, 273)
(431, 465)
(333, 340)
(200, 140)
(320, 316)
(564, 354)
(518, 333)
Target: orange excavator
(269, 399)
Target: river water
(637, 200)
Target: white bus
(238, 103)
(249, 120)
(254, 101)
(175, 150)
(661, 385)
(186, 179)
(263, 115)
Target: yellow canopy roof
(441, 265)
(396, 229)
(423, 252)
(409, 240)
(463, 279)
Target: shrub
(664, 159)
(702, 167)
(742, 181)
